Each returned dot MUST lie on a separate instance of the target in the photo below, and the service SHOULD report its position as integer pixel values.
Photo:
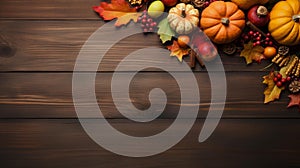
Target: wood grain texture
(39, 43)
(48, 9)
(54, 46)
(235, 143)
(43, 95)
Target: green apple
(156, 9)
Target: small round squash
(284, 23)
(222, 22)
(183, 18)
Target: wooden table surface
(40, 40)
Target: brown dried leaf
(251, 53)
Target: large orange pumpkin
(284, 23)
(222, 22)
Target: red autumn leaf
(295, 100)
(177, 51)
(119, 9)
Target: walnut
(294, 86)
(283, 50)
(229, 48)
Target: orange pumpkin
(222, 21)
(284, 23)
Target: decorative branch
(255, 28)
(193, 57)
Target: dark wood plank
(235, 143)
(48, 9)
(43, 95)
(54, 46)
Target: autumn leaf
(125, 19)
(295, 100)
(164, 31)
(119, 9)
(177, 51)
(251, 53)
(272, 92)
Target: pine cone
(198, 3)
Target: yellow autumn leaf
(272, 92)
(251, 53)
(125, 19)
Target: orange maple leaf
(177, 51)
(119, 9)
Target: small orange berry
(183, 41)
(270, 52)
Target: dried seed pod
(283, 62)
(287, 62)
(288, 71)
(275, 58)
(298, 70)
(295, 68)
(291, 66)
(279, 60)
(229, 48)
(294, 86)
(283, 50)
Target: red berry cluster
(280, 81)
(147, 23)
(257, 38)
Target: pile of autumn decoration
(256, 30)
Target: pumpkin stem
(225, 21)
(262, 11)
(183, 14)
(296, 18)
